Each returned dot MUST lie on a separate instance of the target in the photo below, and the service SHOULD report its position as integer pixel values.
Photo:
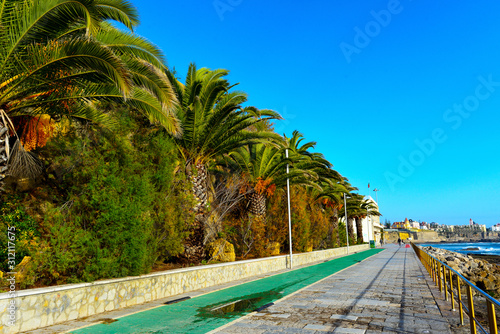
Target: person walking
(399, 242)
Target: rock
(483, 274)
(274, 248)
(221, 250)
(309, 247)
(455, 266)
(22, 269)
(490, 285)
(473, 265)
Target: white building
(496, 228)
(372, 229)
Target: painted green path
(207, 312)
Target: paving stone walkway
(387, 293)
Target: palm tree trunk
(350, 228)
(199, 179)
(4, 151)
(257, 205)
(359, 229)
(334, 229)
(194, 248)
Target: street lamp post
(370, 228)
(346, 230)
(289, 214)
(376, 193)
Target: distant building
(457, 228)
(406, 224)
(496, 228)
(398, 225)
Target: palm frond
(132, 45)
(118, 10)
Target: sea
(484, 248)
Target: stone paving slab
(387, 293)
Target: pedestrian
(399, 242)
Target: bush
(13, 214)
(114, 204)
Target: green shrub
(13, 215)
(118, 205)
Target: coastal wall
(35, 308)
(424, 236)
(433, 236)
(482, 236)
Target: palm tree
(356, 213)
(264, 166)
(58, 59)
(331, 195)
(357, 209)
(352, 204)
(213, 123)
(366, 208)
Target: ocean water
(486, 248)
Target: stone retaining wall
(42, 307)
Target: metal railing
(450, 282)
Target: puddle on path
(241, 305)
(238, 306)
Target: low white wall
(35, 308)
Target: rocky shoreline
(490, 258)
(482, 270)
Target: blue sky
(402, 94)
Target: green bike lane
(207, 312)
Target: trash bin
(372, 243)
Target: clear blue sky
(402, 94)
